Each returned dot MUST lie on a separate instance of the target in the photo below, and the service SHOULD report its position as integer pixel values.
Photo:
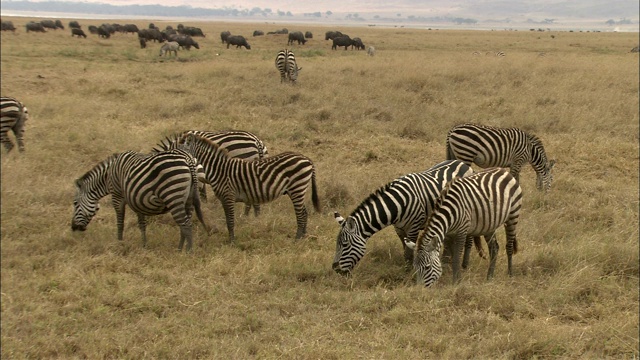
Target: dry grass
(364, 121)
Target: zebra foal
(254, 182)
(13, 116)
(404, 203)
(150, 185)
(239, 144)
(488, 146)
(469, 207)
(287, 66)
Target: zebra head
(85, 206)
(350, 245)
(293, 73)
(426, 263)
(544, 178)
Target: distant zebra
(404, 203)
(257, 181)
(286, 64)
(500, 54)
(371, 51)
(239, 144)
(13, 116)
(150, 185)
(488, 146)
(469, 207)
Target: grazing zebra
(469, 207)
(257, 181)
(151, 184)
(500, 147)
(500, 54)
(286, 64)
(404, 203)
(13, 116)
(239, 144)
(371, 51)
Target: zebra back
(238, 144)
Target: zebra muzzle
(77, 227)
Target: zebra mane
(98, 167)
(381, 190)
(436, 207)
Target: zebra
(371, 51)
(13, 116)
(404, 203)
(469, 207)
(488, 146)
(286, 64)
(150, 184)
(255, 182)
(239, 144)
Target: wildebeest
(258, 33)
(168, 47)
(78, 32)
(103, 32)
(34, 26)
(129, 28)
(330, 35)
(283, 31)
(191, 31)
(238, 41)
(357, 43)
(308, 35)
(8, 26)
(296, 36)
(185, 41)
(50, 24)
(224, 35)
(153, 26)
(151, 34)
(111, 28)
(341, 41)
(93, 29)
(74, 24)
(143, 43)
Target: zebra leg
(4, 138)
(18, 130)
(196, 204)
(512, 243)
(456, 250)
(247, 208)
(142, 224)
(118, 205)
(228, 203)
(301, 215)
(186, 232)
(492, 243)
(256, 210)
(467, 250)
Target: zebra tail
(314, 192)
(196, 204)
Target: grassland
(364, 121)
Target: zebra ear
(338, 218)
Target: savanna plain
(364, 121)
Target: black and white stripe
(257, 181)
(472, 206)
(150, 185)
(404, 203)
(239, 144)
(13, 116)
(287, 66)
(500, 147)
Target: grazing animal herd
(446, 207)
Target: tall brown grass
(364, 121)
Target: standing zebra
(286, 64)
(469, 207)
(13, 116)
(239, 144)
(500, 147)
(255, 182)
(151, 184)
(404, 203)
